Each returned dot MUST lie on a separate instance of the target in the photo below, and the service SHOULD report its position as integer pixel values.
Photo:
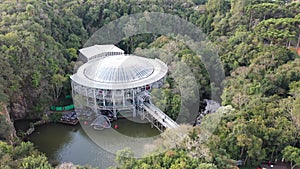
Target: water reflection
(64, 143)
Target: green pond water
(66, 143)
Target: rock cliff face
(18, 108)
(211, 107)
(8, 124)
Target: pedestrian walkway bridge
(156, 117)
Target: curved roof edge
(160, 70)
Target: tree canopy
(256, 41)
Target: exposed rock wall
(11, 135)
(18, 108)
(211, 107)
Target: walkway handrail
(160, 116)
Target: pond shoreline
(67, 143)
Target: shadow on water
(65, 143)
(128, 127)
(23, 125)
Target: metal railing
(159, 116)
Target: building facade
(110, 80)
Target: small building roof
(91, 51)
(120, 72)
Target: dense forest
(257, 41)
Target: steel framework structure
(116, 81)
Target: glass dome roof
(120, 72)
(119, 69)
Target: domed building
(110, 80)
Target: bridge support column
(115, 113)
(134, 112)
(142, 114)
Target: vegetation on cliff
(256, 41)
(7, 130)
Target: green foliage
(171, 159)
(5, 128)
(22, 156)
(5, 149)
(294, 88)
(55, 117)
(278, 31)
(35, 162)
(190, 153)
(292, 154)
(23, 150)
(273, 130)
(125, 158)
(32, 52)
(264, 11)
(207, 166)
(39, 43)
(259, 78)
